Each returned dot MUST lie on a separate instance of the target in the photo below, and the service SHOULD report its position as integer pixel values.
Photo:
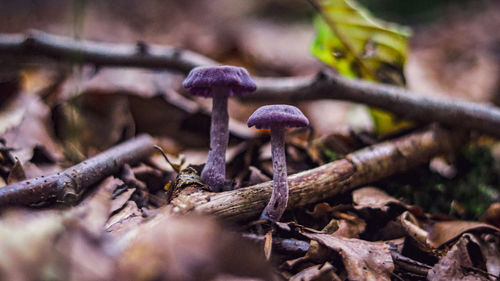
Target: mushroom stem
(279, 197)
(214, 172)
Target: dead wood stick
(407, 104)
(289, 245)
(461, 114)
(358, 168)
(38, 44)
(68, 185)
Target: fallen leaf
(363, 260)
(320, 272)
(16, 173)
(187, 248)
(492, 215)
(128, 217)
(120, 200)
(373, 198)
(454, 266)
(490, 248)
(441, 233)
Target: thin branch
(326, 85)
(358, 168)
(404, 103)
(288, 245)
(39, 44)
(68, 186)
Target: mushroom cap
(277, 115)
(201, 80)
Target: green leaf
(361, 46)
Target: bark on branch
(456, 113)
(38, 44)
(327, 85)
(68, 185)
(358, 168)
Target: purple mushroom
(277, 118)
(219, 83)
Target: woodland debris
(459, 263)
(38, 44)
(324, 85)
(68, 185)
(444, 232)
(404, 103)
(363, 260)
(358, 168)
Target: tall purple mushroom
(219, 83)
(277, 118)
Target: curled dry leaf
(350, 228)
(320, 272)
(16, 173)
(95, 210)
(30, 131)
(412, 228)
(125, 219)
(373, 198)
(460, 262)
(363, 260)
(490, 248)
(441, 233)
(492, 215)
(121, 199)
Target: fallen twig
(68, 185)
(326, 85)
(288, 245)
(358, 168)
(39, 44)
(456, 113)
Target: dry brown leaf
(115, 103)
(363, 260)
(457, 263)
(31, 131)
(119, 201)
(350, 228)
(320, 272)
(16, 173)
(186, 248)
(256, 176)
(127, 218)
(492, 215)
(441, 233)
(490, 248)
(374, 198)
(26, 244)
(54, 246)
(95, 210)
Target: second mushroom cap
(277, 115)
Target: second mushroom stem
(214, 172)
(279, 197)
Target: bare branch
(326, 85)
(358, 168)
(454, 113)
(40, 44)
(68, 186)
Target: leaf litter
(122, 229)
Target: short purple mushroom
(277, 118)
(219, 83)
